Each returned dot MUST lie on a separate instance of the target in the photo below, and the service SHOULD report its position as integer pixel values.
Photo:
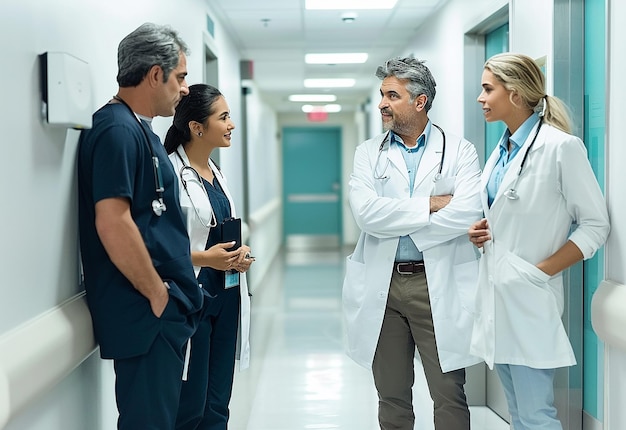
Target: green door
(593, 269)
(496, 42)
(311, 186)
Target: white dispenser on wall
(65, 90)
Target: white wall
(615, 359)
(264, 185)
(38, 221)
(229, 85)
(530, 32)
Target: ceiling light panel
(312, 98)
(333, 108)
(329, 83)
(349, 4)
(347, 58)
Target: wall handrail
(41, 352)
(608, 313)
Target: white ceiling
(276, 34)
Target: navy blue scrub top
(212, 280)
(114, 161)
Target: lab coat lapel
(222, 180)
(394, 155)
(489, 165)
(186, 174)
(430, 158)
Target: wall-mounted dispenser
(65, 90)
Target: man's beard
(398, 127)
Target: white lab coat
(384, 211)
(518, 306)
(199, 233)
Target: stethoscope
(511, 193)
(213, 222)
(158, 205)
(383, 176)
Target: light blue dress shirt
(504, 160)
(407, 251)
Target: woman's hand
(219, 257)
(479, 233)
(244, 261)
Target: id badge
(231, 279)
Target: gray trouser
(408, 324)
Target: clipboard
(231, 231)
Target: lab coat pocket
(443, 186)
(522, 290)
(528, 325)
(529, 270)
(353, 293)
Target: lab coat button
(382, 295)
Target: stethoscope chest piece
(511, 194)
(158, 207)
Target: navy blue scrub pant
(147, 387)
(206, 393)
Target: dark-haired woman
(201, 124)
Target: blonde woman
(544, 211)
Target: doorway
(311, 190)
(211, 76)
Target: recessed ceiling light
(347, 58)
(329, 83)
(312, 98)
(350, 4)
(333, 108)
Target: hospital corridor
(300, 377)
(376, 142)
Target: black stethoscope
(511, 193)
(181, 173)
(158, 205)
(383, 176)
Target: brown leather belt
(409, 267)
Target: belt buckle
(401, 272)
(414, 268)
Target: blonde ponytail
(520, 73)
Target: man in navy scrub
(141, 287)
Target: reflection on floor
(300, 377)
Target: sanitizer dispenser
(65, 90)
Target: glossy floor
(299, 376)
